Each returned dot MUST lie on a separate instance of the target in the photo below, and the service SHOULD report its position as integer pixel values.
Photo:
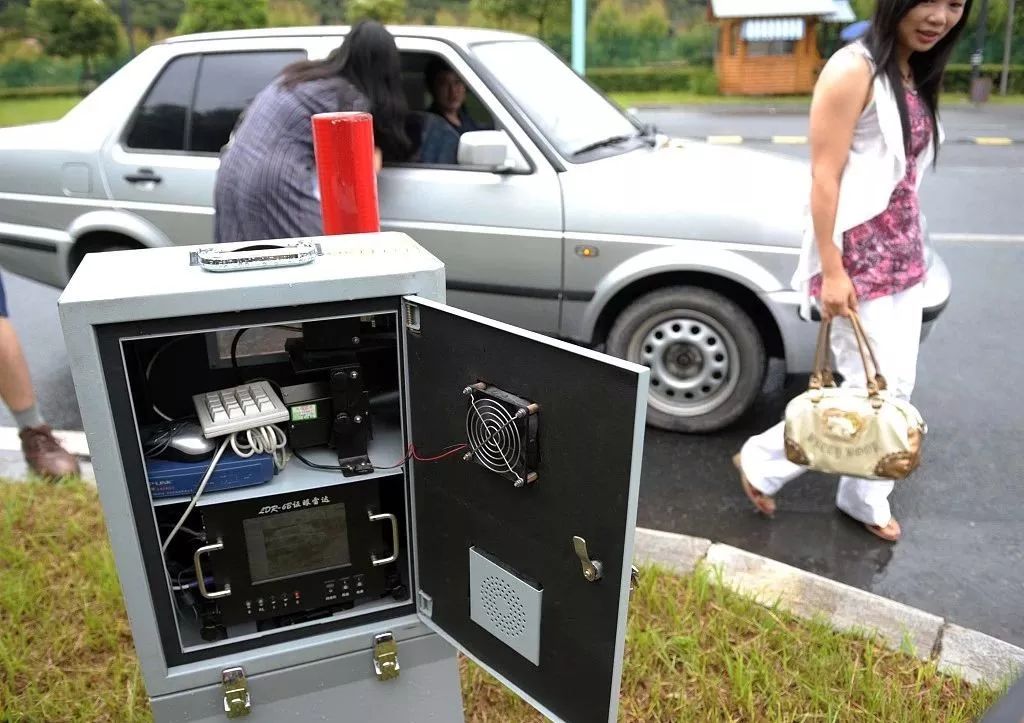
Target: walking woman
(266, 185)
(874, 132)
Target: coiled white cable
(269, 439)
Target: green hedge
(702, 80)
(47, 71)
(45, 91)
(680, 78)
(958, 78)
(52, 76)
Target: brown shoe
(44, 454)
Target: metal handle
(378, 561)
(200, 576)
(143, 176)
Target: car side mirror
(485, 149)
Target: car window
(437, 140)
(568, 111)
(227, 84)
(196, 100)
(159, 123)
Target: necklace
(908, 81)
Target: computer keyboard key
(239, 408)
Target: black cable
(336, 468)
(234, 349)
(149, 368)
(238, 335)
(314, 465)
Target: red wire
(411, 452)
(454, 450)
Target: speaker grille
(504, 604)
(503, 607)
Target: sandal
(764, 504)
(890, 532)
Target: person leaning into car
(873, 134)
(266, 187)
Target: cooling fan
(502, 432)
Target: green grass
(18, 111)
(695, 650)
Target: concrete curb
(968, 654)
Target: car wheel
(706, 357)
(100, 243)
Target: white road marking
(1008, 238)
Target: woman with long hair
(266, 185)
(874, 131)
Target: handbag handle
(821, 372)
(822, 376)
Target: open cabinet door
(523, 541)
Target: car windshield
(573, 116)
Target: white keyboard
(230, 410)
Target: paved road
(974, 189)
(963, 554)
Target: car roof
(455, 35)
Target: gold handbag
(865, 433)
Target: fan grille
(493, 435)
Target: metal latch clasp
(236, 692)
(385, 656)
(592, 569)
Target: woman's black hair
(369, 60)
(927, 67)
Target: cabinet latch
(385, 656)
(236, 692)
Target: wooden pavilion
(770, 47)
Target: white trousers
(893, 324)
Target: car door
(162, 162)
(498, 233)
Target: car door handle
(144, 175)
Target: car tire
(706, 356)
(101, 243)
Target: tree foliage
(202, 16)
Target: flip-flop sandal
(764, 504)
(880, 531)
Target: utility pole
(1004, 79)
(579, 36)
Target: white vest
(876, 164)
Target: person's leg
(15, 383)
(42, 451)
(763, 461)
(893, 326)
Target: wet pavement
(962, 555)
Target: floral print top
(885, 255)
